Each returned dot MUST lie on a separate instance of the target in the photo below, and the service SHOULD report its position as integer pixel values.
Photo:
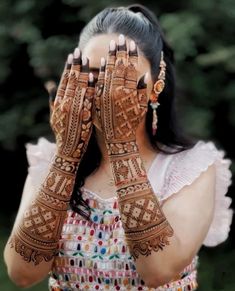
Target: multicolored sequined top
(93, 255)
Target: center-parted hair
(141, 25)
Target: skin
(94, 50)
(189, 212)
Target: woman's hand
(71, 112)
(120, 102)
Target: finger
(131, 70)
(84, 74)
(63, 81)
(122, 49)
(76, 64)
(121, 61)
(111, 56)
(142, 94)
(99, 89)
(87, 109)
(73, 75)
(51, 89)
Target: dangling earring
(157, 89)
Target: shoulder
(42, 150)
(39, 156)
(203, 173)
(185, 167)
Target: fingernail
(141, 83)
(146, 78)
(76, 53)
(91, 81)
(112, 45)
(121, 40)
(102, 65)
(91, 77)
(132, 45)
(102, 62)
(70, 59)
(84, 60)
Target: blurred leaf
(221, 56)
(43, 57)
(182, 30)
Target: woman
(121, 201)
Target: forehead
(98, 47)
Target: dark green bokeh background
(35, 38)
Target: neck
(146, 151)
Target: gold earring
(157, 89)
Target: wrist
(128, 169)
(65, 164)
(122, 149)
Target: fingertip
(70, 59)
(121, 39)
(91, 77)
(142, 84)
(133, 49)
(85, 64)
(51, 88)
(146, 77)
(102, 64)
(112, 47)
(76, 53)
(84, 60)
(132, 45)
(121, 43)
(91, 80)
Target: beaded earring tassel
(157, 89)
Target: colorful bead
(103, 251)
(87, 247)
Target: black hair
(140, 24)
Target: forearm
(37, 232)
(147, 230)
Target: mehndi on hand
(36, 236)
(120, 101)
(71, 116)
(120, 105)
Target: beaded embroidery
(93, 255)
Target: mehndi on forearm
(145, 225)
(36, 236)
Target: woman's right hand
(71, 112)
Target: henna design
(120, 148)
(146, 227)
(120, 105)
(37, 235)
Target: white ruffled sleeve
(39, 157)
(186, 166)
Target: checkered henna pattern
(121, 103)
(36, 236)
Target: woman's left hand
(120, 101)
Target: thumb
(51, 88)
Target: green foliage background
(35, 38)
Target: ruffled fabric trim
(182, 170)
(39, 157)
(185, 167)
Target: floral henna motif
(146, 227)
(37, 235)
(120, 110)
